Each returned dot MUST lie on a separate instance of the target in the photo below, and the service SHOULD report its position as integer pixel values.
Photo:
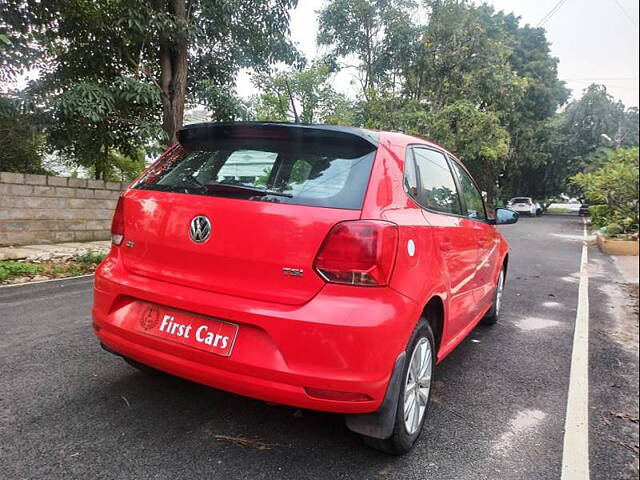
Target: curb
(10, 285)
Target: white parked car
(525, 206)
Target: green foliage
(307, 94)
(110, 71)
(67, 270)
(475, 135)
(614, 183)
(464, 53)
(471, 79)
(91, 257)
(379, 34)
(599, 215)
(78, 265)
(9, 268)
(93, 121)
(587, 128)
(614, 229)
(21, 142)
(126, 168)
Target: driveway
(69, 409)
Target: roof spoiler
(323, 135)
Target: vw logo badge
(200, 229)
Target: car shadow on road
(171, 414)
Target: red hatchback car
(320, 267)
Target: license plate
(202, 333)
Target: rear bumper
(345, 339)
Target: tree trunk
(173, 71)
(293, 103)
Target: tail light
(117, 224)
(358, 253)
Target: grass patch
(20, 272)
(558, 210)
(9, 268)
(91, 257)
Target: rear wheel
(493, 314)
(415, 394)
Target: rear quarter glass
(290, 165)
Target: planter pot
(615, 246)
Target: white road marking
(575, 453)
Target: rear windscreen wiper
(232, 187)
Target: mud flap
(379, 424)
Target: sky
(595, 40)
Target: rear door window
(473, 200)
(437, 188)
(334, 176)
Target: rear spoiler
(324, 136)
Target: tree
(93, 56)
(463, 54)
(304, 95)
(477, 138)
(530, 123)
(378, 33)
(615, 183)
(593, 123)
(201, 40)
(94, 124)
(21, 142)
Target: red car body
(301, 339)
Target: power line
(598, 79)
(551, 13)
(626, 14)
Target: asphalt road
(70, 410)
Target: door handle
(445, 244)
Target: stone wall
(36, 209)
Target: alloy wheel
(499, 292)
(417, 385)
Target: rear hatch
(269, 194)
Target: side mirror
(504, 216)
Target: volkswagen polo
(320, 267)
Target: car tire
(142, 367)
(406, 432)
(493, 315)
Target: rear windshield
(520, 200)
(279, 171)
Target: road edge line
(575, 451)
